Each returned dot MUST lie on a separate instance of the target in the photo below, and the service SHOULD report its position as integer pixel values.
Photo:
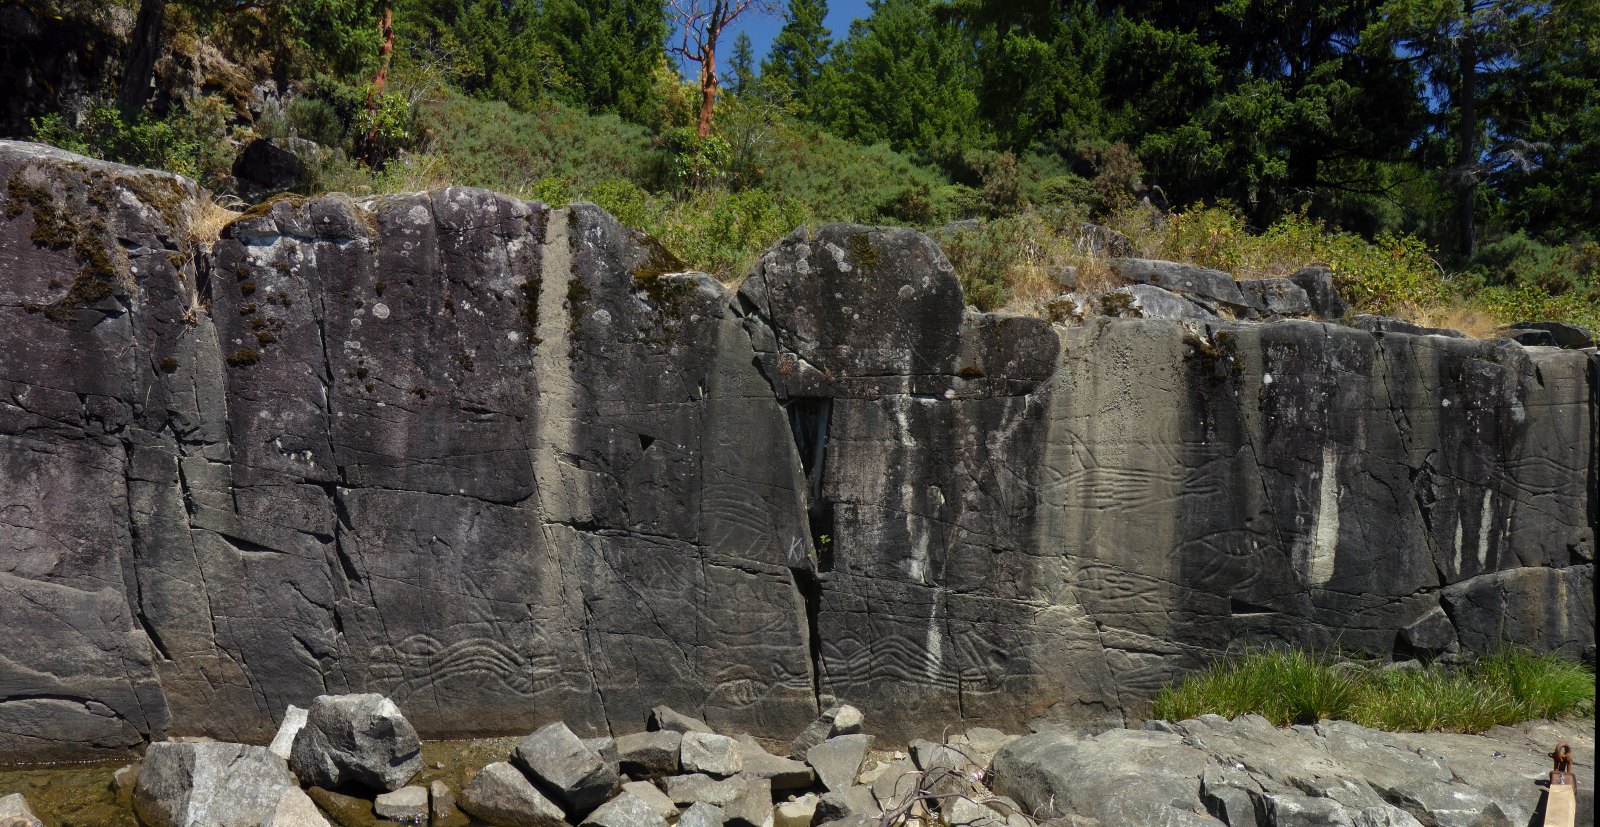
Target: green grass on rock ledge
(1298, 687)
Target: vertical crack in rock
(809, 587)
(1594, 455)
(809, 422)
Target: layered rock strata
(506, 464)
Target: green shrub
(719, 232)
(1298, 687)
(490, 145)
(194, 142)
(316, 120)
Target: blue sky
(762, 29)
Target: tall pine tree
(794, 66)
(905, 78)
(741, 66)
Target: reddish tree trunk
(380, 80)
(708, 91)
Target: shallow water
(82, 795)
(70, 795)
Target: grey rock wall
(507, 465)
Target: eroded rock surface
(507, 465)
(1246, 772)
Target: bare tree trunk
(369, 142)
(141, 66)
(708, 69)
(1467, 138)
(708, 92)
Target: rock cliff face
(507, 465)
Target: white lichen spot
(1266, 378)
(417, 214)
(380, 310)
(601, 316)
(1445, 403)
(950, 393)
(905, 291)
(514, 336)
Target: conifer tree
(741, 66)
(794, 65)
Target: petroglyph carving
(421, 660)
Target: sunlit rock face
(507, 465)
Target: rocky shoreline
(355, 761)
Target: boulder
(14, 812)
(626, 810)
(1276, 297)
(504, 797)
(710, 753)
(560, 763)
(981, 743)
(267, 166)
(896, 782)
(209, 784)
(701, 815)
(1100, 240)
(296, 809)
(795, 813)
(1147, 301)
(360, 740)
(294, 720)
(1532, 338)
(838, 759)
(784, 773)
(752, 808)
(668, 719)
(850, 802)
(1390, 324)
(606, 747)
(947, 770)
(653, 796)
(966, 812)
(1317, 282)
(842, 719)
(1212, 289)
(700, 788)
(405, 804)
(442, 809)
(1119, 777)
(1563, 334)
(851, 821)
(649, 754)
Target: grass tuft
(1299, 687)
